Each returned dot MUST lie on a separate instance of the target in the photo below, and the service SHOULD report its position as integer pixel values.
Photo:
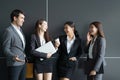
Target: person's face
(19, 20)
(68, 30)
(93, 30)
(43, 26)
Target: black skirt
(44, 66)
(66, 71)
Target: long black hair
(72, 25)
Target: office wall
(82, 12)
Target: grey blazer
(98, 62)
(12, 45)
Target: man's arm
(6, 43)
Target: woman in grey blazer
(95, 49)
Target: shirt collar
(15, 27)
(72, 39)
(95, 38)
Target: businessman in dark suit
(69, 51)
(95, 49)
(13, 45)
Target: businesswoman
(95, 49)
(69, 51)
(42, 62)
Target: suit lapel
(74, 45)
(17, 35)
(38, 41)
(23, 35)
(95, 47)
(65, 43)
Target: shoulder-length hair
(98, 25)
(37, 30)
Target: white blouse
(42, 41)
(69, 43)
(91, 48)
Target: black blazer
(98, 53)
(35, 43)
(76, 51)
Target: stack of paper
(47, 48)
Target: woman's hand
(49, 55)
(73, 59)
(57, 43)
(89, 38)
(93, 73)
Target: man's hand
(16, 58)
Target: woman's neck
(41, 34)
(71, 36)
(95, 35)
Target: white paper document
(47, 48)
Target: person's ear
(15, 18)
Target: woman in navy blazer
(95, 49)
(69, 51)
(42, 61)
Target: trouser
(96, 77)
(17, 72)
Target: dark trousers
(17, 72)
(97, 77)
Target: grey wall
(82, 12)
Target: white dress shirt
(70, 43)
(91, 48)
(20, 34)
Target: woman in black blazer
(42, 61)
(69, 51)
(95, 49)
